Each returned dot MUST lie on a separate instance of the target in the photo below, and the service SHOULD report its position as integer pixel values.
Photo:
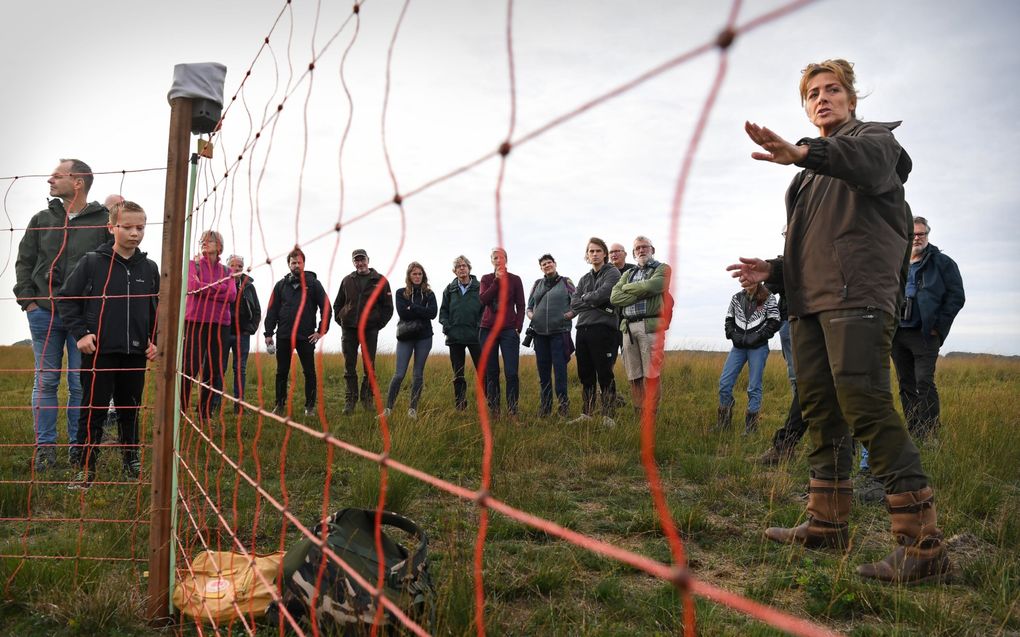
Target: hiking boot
(868, 490)
(580, 420)
(280, 410)
(774, 456)
(132, 464)
(412, 413)
(82, 480)
(74, 456)
(309, 411)
(45, 458)
(723, 419)
(608, 422)
(921, 554)
(751, 420)
(564, 410)
(828, 510)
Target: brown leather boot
(921, 554)
(828, 510)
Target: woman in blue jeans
(751, 320)
(550, 314)
(416, 307)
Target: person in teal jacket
(461, 316)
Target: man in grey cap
(351, 300)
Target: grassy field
(586, 478)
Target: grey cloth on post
(203, 80)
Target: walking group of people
(858, 284)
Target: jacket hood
(107, 250)
(57, 207)
(903, 164)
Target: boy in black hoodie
(108, 304)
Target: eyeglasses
(920, 235)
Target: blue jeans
(508, 342)
(49, 338)
(755, 359)
(787, 344)
(420, 348)
(550, 358)
(239, 348)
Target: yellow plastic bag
(221, 585)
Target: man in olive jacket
(351, 301)
(55, 240)
(640, 295)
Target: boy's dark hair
(546, 257)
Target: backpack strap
(408, 526)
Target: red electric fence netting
(257, 469)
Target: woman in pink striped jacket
(211, 291)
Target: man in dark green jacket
(461, 315)
(352, 299)
(55, 239)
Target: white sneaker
(583, 418)
(608, 422)
(412, 413)
(385, 412)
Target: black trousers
(349, 344)
(306, 354)
(914, 358)
(106, 376)
(787, 436)
(203, 359)
(596, 352)
(458, 362)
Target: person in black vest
(295, 332)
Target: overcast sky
(90, 81)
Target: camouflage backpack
(341, 602)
